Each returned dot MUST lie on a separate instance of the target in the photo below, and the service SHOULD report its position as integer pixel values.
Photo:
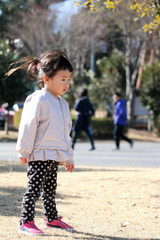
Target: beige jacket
(44, 131)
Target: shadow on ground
(90, 236)
(11, 198)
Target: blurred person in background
(120, 120)
(85, 111)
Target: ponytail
(29, 62)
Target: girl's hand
(23, 160)
(70, 167)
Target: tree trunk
(138, 84)
(152, 53)
(6, 125)
(92, 57)
(128, 78)
(131, 79)
(130, 108)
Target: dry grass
(143, 135)
(101, 203)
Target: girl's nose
(67, 82)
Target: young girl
(44, 141)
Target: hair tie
(38, 66)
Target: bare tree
(35, 28)
(86, 30)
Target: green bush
(103, 127)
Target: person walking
(44, 140)
(120, 120)
(85, 111)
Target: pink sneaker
(58, 224)
(29, 228)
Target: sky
(64, 12)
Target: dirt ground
(100, 203)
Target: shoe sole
(28, 233)
(59, 228)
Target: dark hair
(83, 93)
(118, 94)
(47, 63)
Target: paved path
(143, 154)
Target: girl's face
(59, 83)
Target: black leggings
(118, 134)
(42, 177)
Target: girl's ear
(45, 79)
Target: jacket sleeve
(28, 126)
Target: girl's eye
(65, 80)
